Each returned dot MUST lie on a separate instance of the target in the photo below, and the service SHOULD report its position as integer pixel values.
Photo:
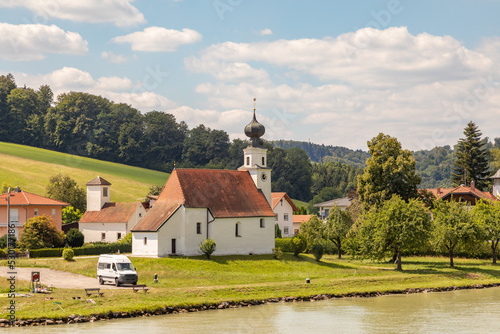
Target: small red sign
(35, 276)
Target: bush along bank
(224, 305)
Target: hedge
(85, 250)
(284, 243)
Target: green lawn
(300, 203)
(30, 168)
(195, 281)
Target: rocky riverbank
(224, 305)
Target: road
(58, 279)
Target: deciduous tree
(390, 171)
(40, 232)
(337, 226)
(394, 228)
(487, 218)
(63, 188)
(452, 226)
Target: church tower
(98, 193)
(255, 157)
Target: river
(464, 311)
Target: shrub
(75, 238)
(207, 247)
(285, 244)
(318, 251)
(299, 244)
(88, 249)
(40, 232)
(46, 252)
(127, 240)
(278, 253)
(3, 241)
(68, 254)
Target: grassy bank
(193, 281)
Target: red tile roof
(111, 213)
(276, 198)
(299, 219)
(225, 193)
(27, 198)
(156, 217)
(463, 190)
(98, 181)
(439, 192)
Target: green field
(30, 168)
(300, 203)
(185, 282)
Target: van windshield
(125, 266)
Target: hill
(30, 168)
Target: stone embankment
(224, 305)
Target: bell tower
(255, 157)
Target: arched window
(248, 161)
(237, 232)
(263, 161)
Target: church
(231, 207)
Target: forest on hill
(92, 126)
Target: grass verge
(185, 282)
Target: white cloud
(266, 31)
(159, 39)
(32, 41)
(120, 90)
(367, 57)
(119, 12)
(114, 58)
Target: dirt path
(58, 279)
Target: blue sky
(333, 72)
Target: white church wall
(93, 231)
(145, 244)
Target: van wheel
(101, 282)
(116, 282)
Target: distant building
(283, 208)
(25, 205)
(105, 220)
(469, 195)
(298, 220)
(325, 207)
(496, 184)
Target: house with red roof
(25, 205)
(105, 220)
(283, 208)
(231, 207)
(299, 220)
(468, 194)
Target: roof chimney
(438, 191)
(17, 189)
(472, 185)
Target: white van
(116, 269)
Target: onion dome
(254, 130)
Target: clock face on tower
(263, 176)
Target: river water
(464, 311)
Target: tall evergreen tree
(472, 159)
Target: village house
(105, 220)
(325, 207)
(231, 207)
(283, 208)
(25, 205)
(298, 220)
(468, 194)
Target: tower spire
(254, 130)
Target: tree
(75, 238)
(155, 190)
(390, 171)
(63, 188)
(471, 162)
(299, 244)
(337, 226)
(394, 228)
(40, 232)
(277, 231)
(487, 217)
(318, 251)
(4, 243)
(313, 231)
(452, 226)
(207, 247)
(70, 214)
